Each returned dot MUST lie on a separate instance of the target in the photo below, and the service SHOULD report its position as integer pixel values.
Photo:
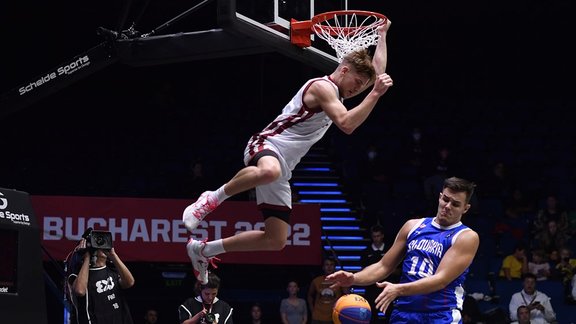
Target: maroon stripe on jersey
(277, 127)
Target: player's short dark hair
(460, 185)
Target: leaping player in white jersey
(436, 253)
(272, 154)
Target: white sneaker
(196, 212)
(200, 263)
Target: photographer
(206, 307)
(94, 287)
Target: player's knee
(269, 175)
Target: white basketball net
(346, 33)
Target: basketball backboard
(269, 20)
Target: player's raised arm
(380, 59)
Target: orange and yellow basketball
(351, 309)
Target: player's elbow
(347, 128)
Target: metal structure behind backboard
(269, 20)
(243, 27)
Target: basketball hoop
(344, 30)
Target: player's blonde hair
(361, 61)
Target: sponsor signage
(152, 229)
(66, 69)
(11, 212)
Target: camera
(209, 318)
(98, 240)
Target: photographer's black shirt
(103, 302)
(221, 310)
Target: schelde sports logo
(67, 69)
(3, 201)
(20, 219)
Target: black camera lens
(210, 318)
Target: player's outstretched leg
(196, 212)
(200, 262)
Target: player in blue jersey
(436, 253)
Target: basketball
(351, 309)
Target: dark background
(460, 69)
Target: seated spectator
(551, 211)
(515, 264)
(497, 183)
(470, 311)
(565, 269)
(519, 203)
(513, 223)
(539, 266)
(553, 260)
(537, 302)
(551, 237)
(523, 315)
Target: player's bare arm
(380, 58)
(380, 270)
(454, 262)
(322, 94)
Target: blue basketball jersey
(426, 244)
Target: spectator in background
(151, 316)
(373, 253)
(470, 311)
(553, 260)
(256, 314)
(539, 266)
(435, 176)
(375, 172)
(195, 180)
(321, 298)
(519, 203)
(513, 224)
(442, 162)
(537, 302)
(523, 315)
(515, 264)
(497, 183)
(565, 269)
(551, 211)
(293, 309)
(551, 237)
(415, 148)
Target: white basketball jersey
(294, 131)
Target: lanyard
(533, 298)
